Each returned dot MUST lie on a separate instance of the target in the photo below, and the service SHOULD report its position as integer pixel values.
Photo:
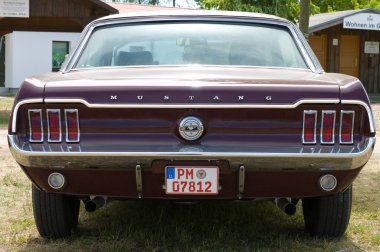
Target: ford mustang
(190, 106)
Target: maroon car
(190, 106)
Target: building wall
(369, 65)
(30, 53)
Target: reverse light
(54, 125)
(327, 127)
(328, 182)
(72, 125)
(56, 180)
(346, 131)
(309, 127)
(35, 125)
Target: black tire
(55, 214)
(328, 216)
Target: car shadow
(208, 225)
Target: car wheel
(328, 216)
(55, 214)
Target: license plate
(188, 180)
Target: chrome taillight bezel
(324, 112)
(48, 125)
(342, 112)
(309, 112)
(67, 127)
(30, 126)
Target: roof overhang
(337, 19)
(57, 16)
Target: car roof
(194, 13)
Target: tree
(288, 9)
(263, 6)
(304, 17)
(336, 5)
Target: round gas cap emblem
(191, 128)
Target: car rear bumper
(142, 174)
(304, 158)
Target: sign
(362, 21)
(14, 8)
(371, 47)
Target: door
(349, 55)
(319, 46)
(2, 61)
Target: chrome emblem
(191, 128)
(201, 174)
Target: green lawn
(6, 103)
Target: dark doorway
(2, 61)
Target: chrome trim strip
(339, 160)
(333, 131)
(16, 108)
(67, 127)
(11, 138)
(59, 122)
(352, 126)
(369, 111)
(30, 126)
(163, 105)
(188, 66)
(280, 106)
(309, 112)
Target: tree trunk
(304, 17)
(173, 3)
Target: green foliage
(288, 9)
(372, 4)
(341, 5)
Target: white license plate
(189, 180)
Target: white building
(28, 53)
(37, 34)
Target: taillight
(309, 127)
(327, 127)
(54, 125)
(72, 125)
(346, 126)
(35, 125)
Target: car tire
(55, 214)
(328, 216)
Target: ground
(163, 226)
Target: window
(187, 43)
(60, 50)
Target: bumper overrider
(267, 171)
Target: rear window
(191, 44)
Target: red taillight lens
(72, 125)
(347, 126)
(35, 125)
(54, 124)
(309, 126)
(327, 127)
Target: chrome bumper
(253, 158)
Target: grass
(6, 104)
(374, 98)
